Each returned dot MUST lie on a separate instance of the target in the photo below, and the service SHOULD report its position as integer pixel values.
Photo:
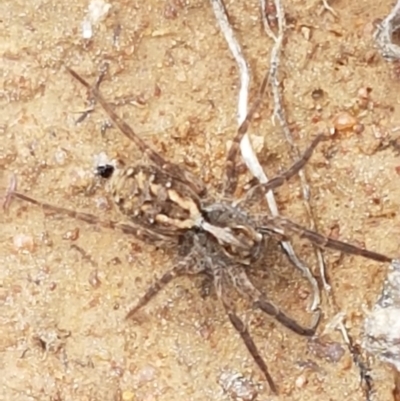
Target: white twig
(337, 323)
(234, 47)
(329, 8)
(384, 34)
(247, 151)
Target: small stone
(344, 121)
(301, 381)
(364, 92)
(317, 94)
(238, 387)
(128, 396)
(325, 349)
(71, 235)
(94, 279)
(147, 374)
(60, 156)
(23, 243)
(358, 128)
(306, 32)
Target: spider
(166, 205)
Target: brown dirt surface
(65, 286)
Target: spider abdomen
(151, 197)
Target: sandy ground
(66, 286)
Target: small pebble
(329, 350)
(128, 396)
(71, 235)
(23, 242)
(359, 128)
(344, 121)
(94, 280)
(60, 156)
(238, 387)
(364, 92)
(146, 374)
(301, 381)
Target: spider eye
(105, 171)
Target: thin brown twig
(267, 27)
(338, 323)
(12, 187)
(279, 114)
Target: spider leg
(292, 170)
(274, 311)
(156, 158)
(188, 266)
(139, 232)
(246, 287)
(231, 178)
(241, 328)
(285, 227)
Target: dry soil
(65, 286)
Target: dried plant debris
(384, 34)
(382, 326)
(238, 387)
(273, 19)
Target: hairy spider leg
(231, 176)
(285, 227)
(156, 158)
(292, 170)
(141, 233)
(188, 266)
(244, 285)
(240, 327)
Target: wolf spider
(166, 205)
